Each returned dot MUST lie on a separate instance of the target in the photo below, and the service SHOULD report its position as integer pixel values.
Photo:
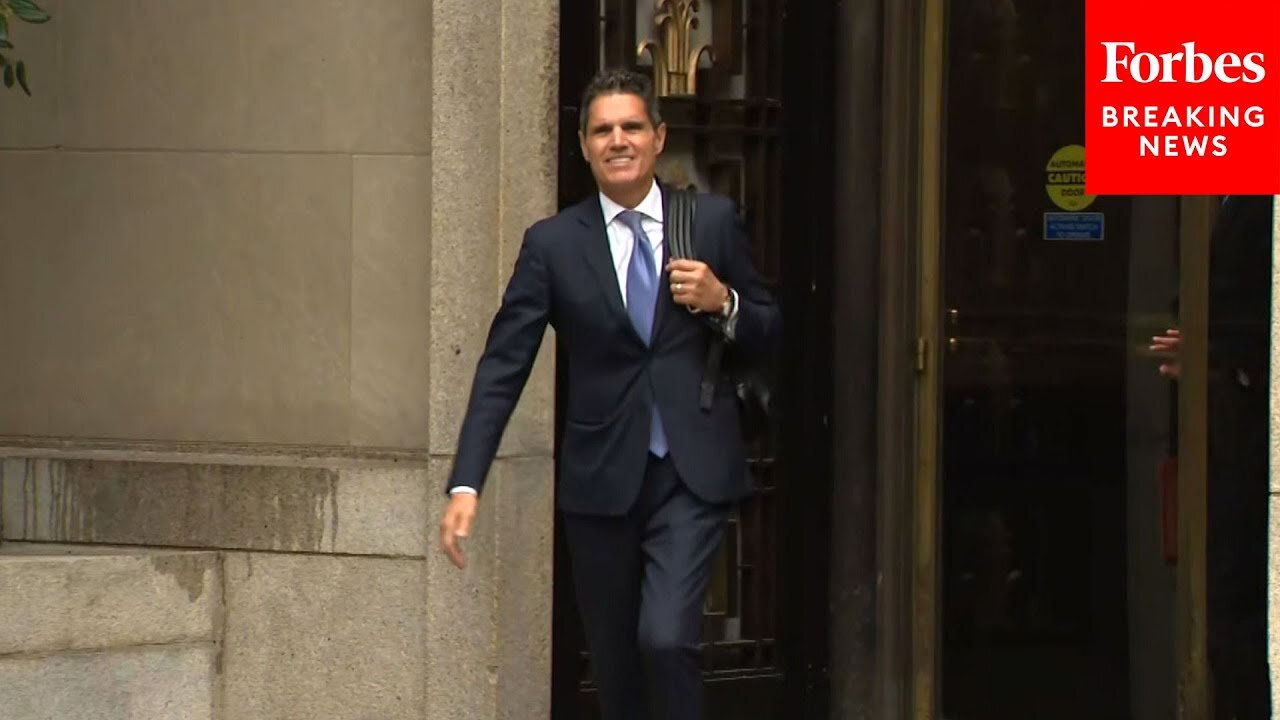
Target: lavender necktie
(642, 301)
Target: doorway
(1057, 585)
(749, 126)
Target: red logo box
(1182, 97)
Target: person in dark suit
(1239, 456)
(646, 476)
(1239, 446)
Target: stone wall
(251, 251)
(94, 634)
(1273, 620)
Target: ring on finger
(679, 286)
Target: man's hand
(456, 524)
(1168, 346)
(695, 286)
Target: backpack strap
(678, 233)
(679, 226)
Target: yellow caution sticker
(1064, 179)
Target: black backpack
(751, 377)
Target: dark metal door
(765, 619)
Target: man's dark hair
(614, 82)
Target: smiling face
(622, 145)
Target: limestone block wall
(250, 253)
(108, 634)
(1273, 616)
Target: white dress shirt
(621, 243)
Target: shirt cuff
(731, 323)
(462, 490)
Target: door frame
(1195, 226)
(908, 648)
(908, 397)
(926, 596)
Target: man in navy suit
(646, 475)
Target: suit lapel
(595, 250)
(1228, 213)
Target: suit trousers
(640, 581)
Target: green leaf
(4, 27)
(3, 60)
(6, 45)
(22, 78)
(8, 76)
(28, 11)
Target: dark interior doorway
(1057, 601)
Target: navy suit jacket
(564, 276)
